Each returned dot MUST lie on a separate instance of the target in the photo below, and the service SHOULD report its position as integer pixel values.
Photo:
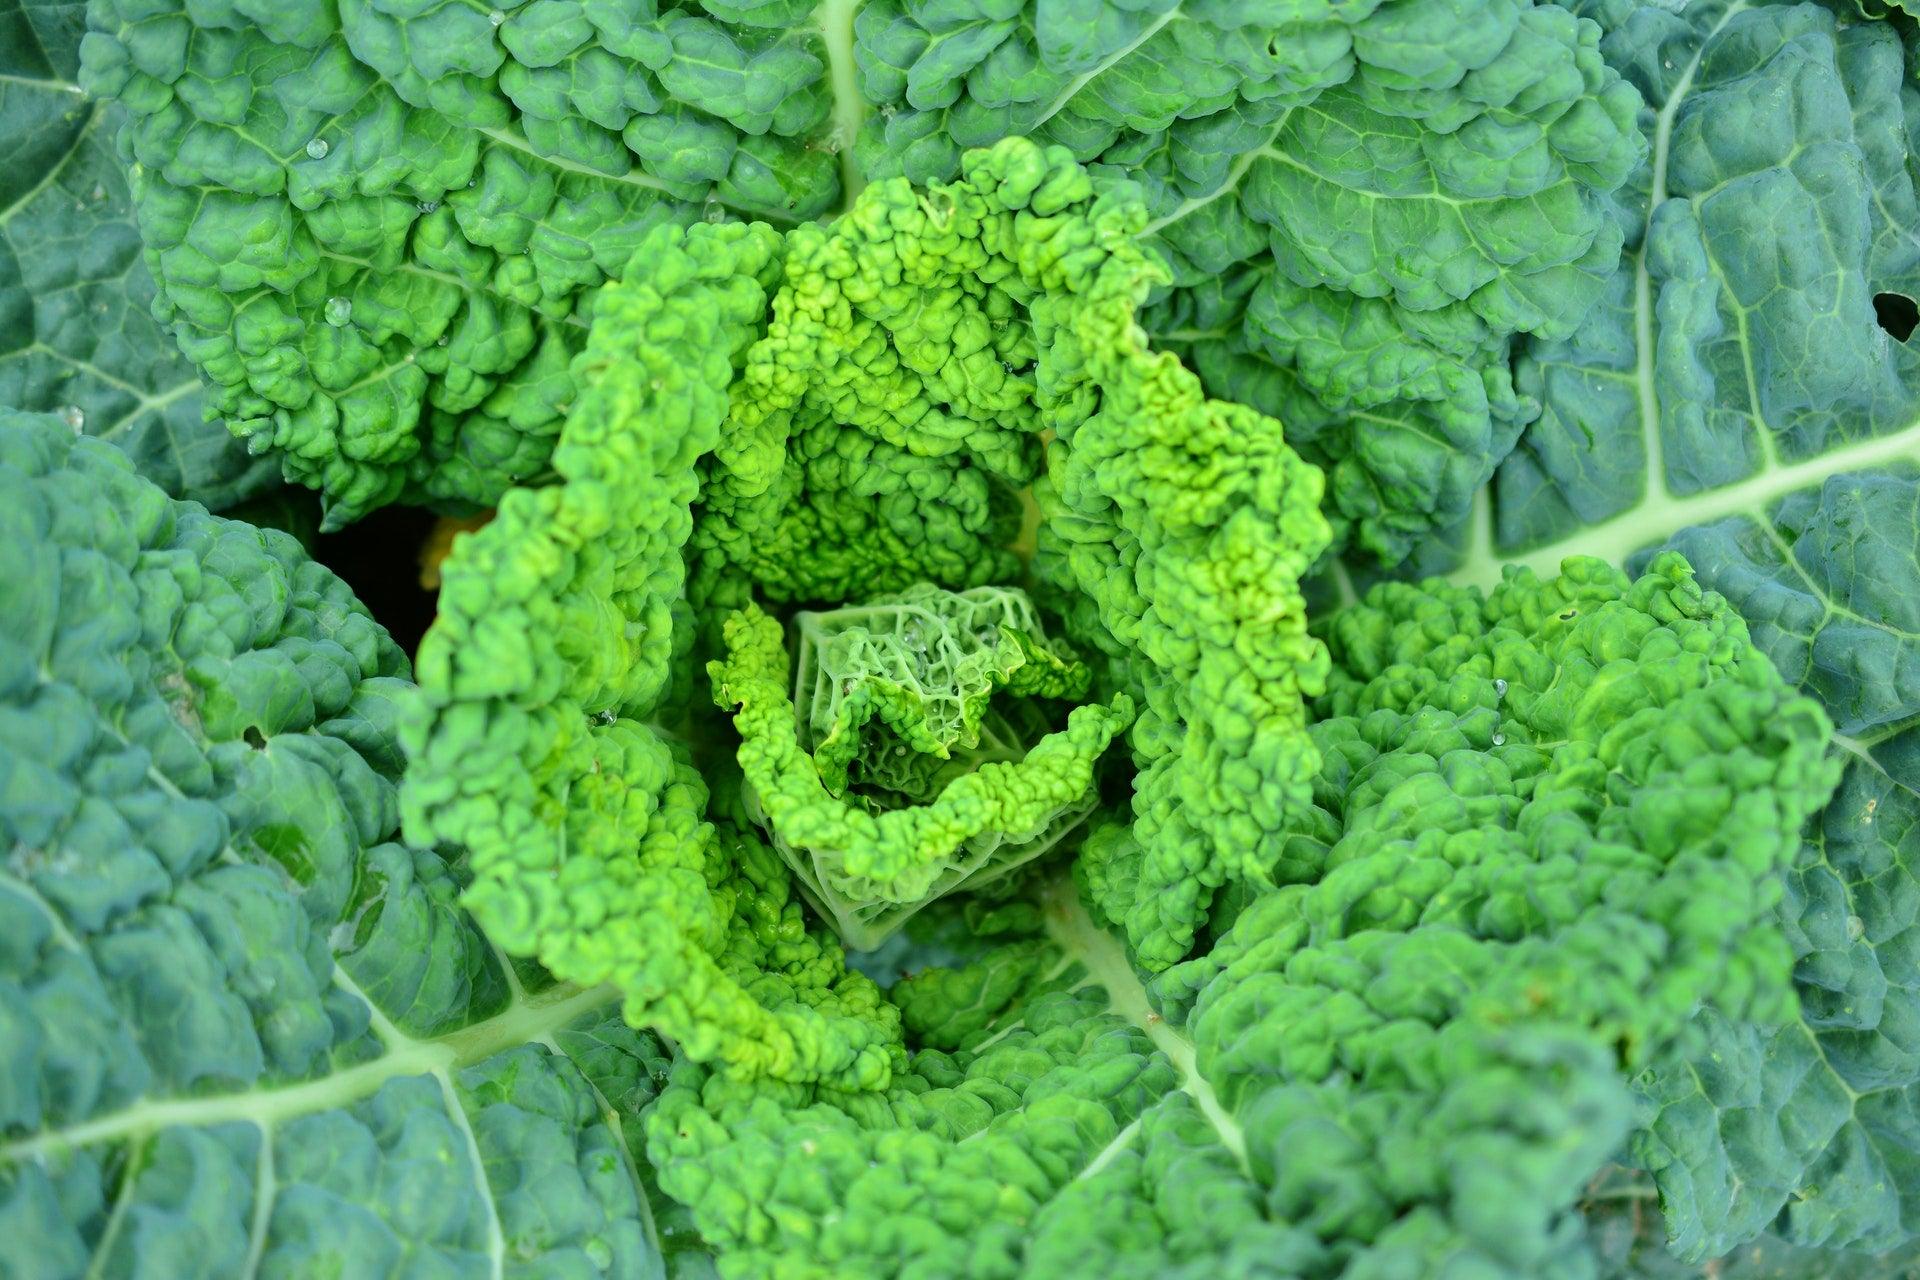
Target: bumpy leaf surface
(1534, 852)
(379, 226)
(76, 335)
(242, 1032)
(1739, 398)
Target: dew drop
(1499, 688)
(339, 311)
(1856, 928)
(1499, 739)
(605, 717)
(75, 417)
(426, 206)
(318, 148)
(713, 211)
(497, 18)
(440, 341)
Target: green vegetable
(76, 338)
(869, 870)
(241, 1029)
(379, 228)
(1543, 833)
(919, 428)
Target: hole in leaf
(1897, 313)
(254, 739)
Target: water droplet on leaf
(1856, 928)
(75, 417)
(1499, 688)
(339, 311)
(318, 148)
(427, 206)
(497, 18)
(1499, 739)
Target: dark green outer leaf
(241, 1033)
(76, 334)
(1738, 399)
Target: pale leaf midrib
(266, 1108)
(1654, 520)
(1106, 962)
(834, 18)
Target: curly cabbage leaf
(243, 1031)
(556, 647)
(379, 227)
(868, 868)
(1551, 825)
(76, 334)
(937, 669)
(1748, 396)
(1362, 204)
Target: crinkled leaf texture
(76, 334)
(868, 867)
(1739, 399)
(1551, 824)
(934, 336)
(931, 670)
(379, 227)
(242, 1032)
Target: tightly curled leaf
(1550, 826)
(937, 669)
(922, 337)
(555, 641)
(1363, 203)
(868, 867)
(241, 1031)
(920, 348)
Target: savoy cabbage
(76, 334)
(1163, 638)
